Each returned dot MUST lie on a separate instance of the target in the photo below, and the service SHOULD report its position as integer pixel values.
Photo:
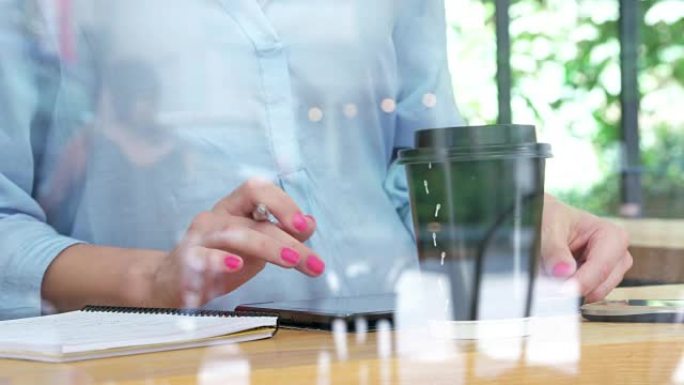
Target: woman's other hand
(579, 246)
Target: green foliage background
(661, 64)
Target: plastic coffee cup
(477, 195)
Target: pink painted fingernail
(232, 262)
(315, 264)
(299, 222)
(289, 255)
(311, 217)
(562, 270)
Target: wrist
(140, 280)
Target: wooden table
(580, 352)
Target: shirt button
(350, 110)
(430, 100)
(315, 114)
(388, 105)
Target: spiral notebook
(99, 331)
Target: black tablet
(320, 313)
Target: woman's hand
(224, 248)
(583, 247)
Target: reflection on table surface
(565, 350)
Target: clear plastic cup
(477, 195)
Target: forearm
(87, 274)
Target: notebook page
(81, 331)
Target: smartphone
(636, 310)
(320, 313)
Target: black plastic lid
(475, 142)
(476, 136)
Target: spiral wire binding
(182, 312)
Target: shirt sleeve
(27, 243)
(425, 98)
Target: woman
(131, 175)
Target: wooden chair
(657, 246)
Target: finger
(613, 280)
(200, 264)
(217, 261)
(217, 283)
(243, 201)
(557, 258)
(281, 248)
(250, 243)
(604, 250)
(309, 262)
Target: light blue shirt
(124, 120)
